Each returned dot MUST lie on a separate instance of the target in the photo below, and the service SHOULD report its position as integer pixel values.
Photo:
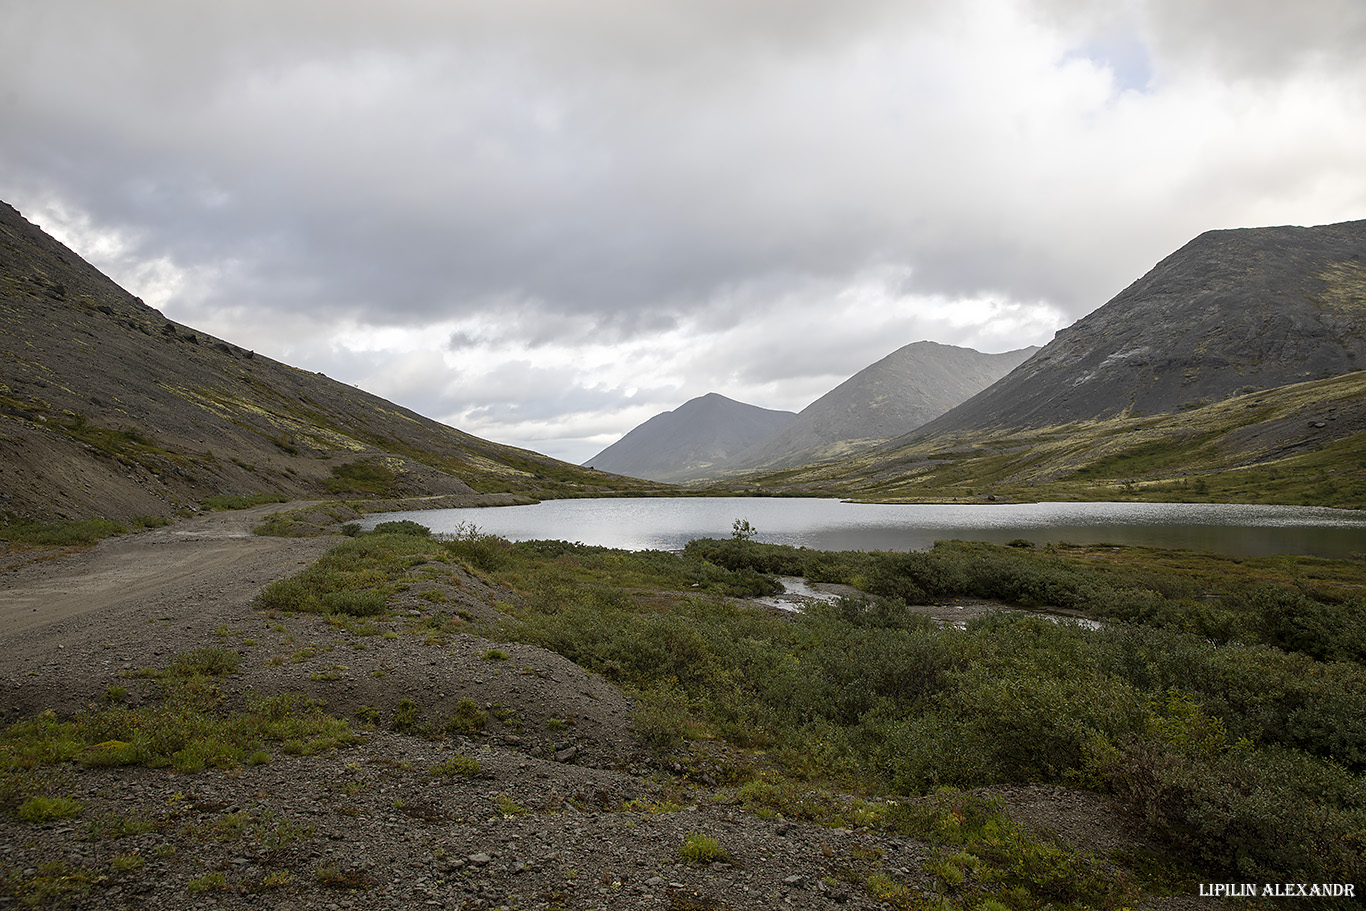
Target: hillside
(1230, 372)
(1299, 444)
(109, 409)
(906, 389)
(691, 441)
(1229, 313)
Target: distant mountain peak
(902, 391)
(688, 442)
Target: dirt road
(67, 624)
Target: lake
(827, 524)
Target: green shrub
(1270, 815)
(406, 715)
(60, 534)
(355, 603)
(402, 527)
(698, 848)
(661, 720)
(457, 765)
(467, 718)
(985, 859)
(1296, 622)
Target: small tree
(741, 530)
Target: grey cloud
(553, 173)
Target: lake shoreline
(654, 523)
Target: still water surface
(669, 523)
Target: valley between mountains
(220, 692)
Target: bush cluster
(1244, 750)
(1223, 703)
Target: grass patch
(73, 533)
(355, 578)
(187, 732)
(47, 809)
(367, 477)
(507, 808)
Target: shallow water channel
(657, 523)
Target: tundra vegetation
(1221, 701)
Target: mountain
(109, 409)
(1231, 372)
(688, 442)
(1231, 312)
(904, 390)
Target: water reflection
(824, 524)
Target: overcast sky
(544, 221)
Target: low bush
(468, 718)
(367, 477)
(402, 527)
(187, 732)
(463, 766)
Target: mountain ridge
(1231, 311)
(1230, 372)
(889, 398)
(109, 409)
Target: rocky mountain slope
(109, 409)
(691, 441)
(1231, 312)
(1233, 372)
(906, 389)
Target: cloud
(610, 206)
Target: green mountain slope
(1304, 443)
(109, 409)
